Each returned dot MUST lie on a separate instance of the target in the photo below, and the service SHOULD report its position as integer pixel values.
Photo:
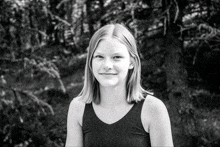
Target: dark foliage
(42, 58)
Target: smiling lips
(107, 73)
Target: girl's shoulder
(77, 103)
(153, 102)
(76, 108)
(154, 106)
(153, 109)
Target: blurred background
(42, 57)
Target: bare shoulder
(76, 109)
(77, 103)
(154, 104)
(74, 123)
(156, 121)
(153, 109)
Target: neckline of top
(115, 122)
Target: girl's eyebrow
(97, 52)
(117, 52)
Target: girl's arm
(74, 124)
(157, 122)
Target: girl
(113, 110)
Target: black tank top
(127, 132)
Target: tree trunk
(102, 12)
(69, 10)
(90, 19)
(178, 92)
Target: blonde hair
(91, 91)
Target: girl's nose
(107, 64)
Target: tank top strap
(134, 116)
(138, 106)
(89, 114)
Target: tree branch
(59, 19)
(40, 32)
(177, 11)
(59, 5)
(29, 94)
(211, 32)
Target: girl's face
(111, 62)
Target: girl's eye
(98, 56)
(117, 57)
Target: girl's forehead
(111, 45)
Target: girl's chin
(109, 84)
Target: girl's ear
(131, 66)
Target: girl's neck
(114, 96)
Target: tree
(23, 29)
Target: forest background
(42, 57)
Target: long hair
(91, 91)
